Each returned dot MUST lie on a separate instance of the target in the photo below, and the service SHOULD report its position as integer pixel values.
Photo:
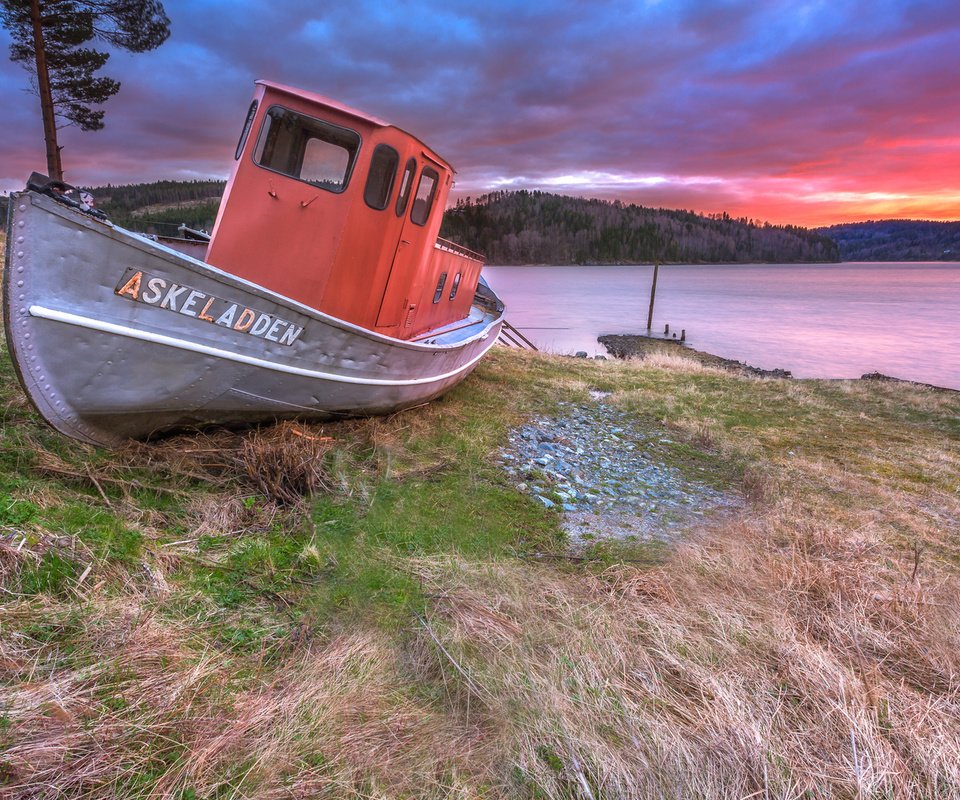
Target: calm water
(818, 321)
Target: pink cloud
(841, 112)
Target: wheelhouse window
(405, 183)
(383, 171)
(439, 293)
(248, 123)
(426, 191)
(455, 286)
(308, 149)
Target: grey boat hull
(115, 336)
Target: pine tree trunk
(54, 167)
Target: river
(816, 320)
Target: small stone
(568, 507)
(547, 502)
(580, 354)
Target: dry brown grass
(779, 659)
(284, 463)
(13, 553)
(759, 485)
(776, 660)
(809, 648)
(228, 514)
(336, 720)
(94, 726)
(675, 362)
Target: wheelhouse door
(415, 201)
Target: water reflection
(823, 321)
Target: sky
(805, 113)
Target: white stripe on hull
(195, 347)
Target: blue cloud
(728, 88)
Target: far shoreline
(625, 346)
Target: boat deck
(458, 331)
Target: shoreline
(637, 345)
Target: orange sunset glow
(806, 114)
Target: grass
(370, 609)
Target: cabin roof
(327, 102)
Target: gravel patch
(599, 468)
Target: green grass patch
(349, 561)
(16, 512)
(54, 574)
(608, 552)
(102, 533)
(364, 553)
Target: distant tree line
(135, 196)
(527, 227)
(161, 206)
(158, 207)
(897, 240)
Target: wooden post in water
(653, 295)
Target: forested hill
(523, 227)
(896, 240)
(157, 207)
(536, 227)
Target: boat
(323, 291)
